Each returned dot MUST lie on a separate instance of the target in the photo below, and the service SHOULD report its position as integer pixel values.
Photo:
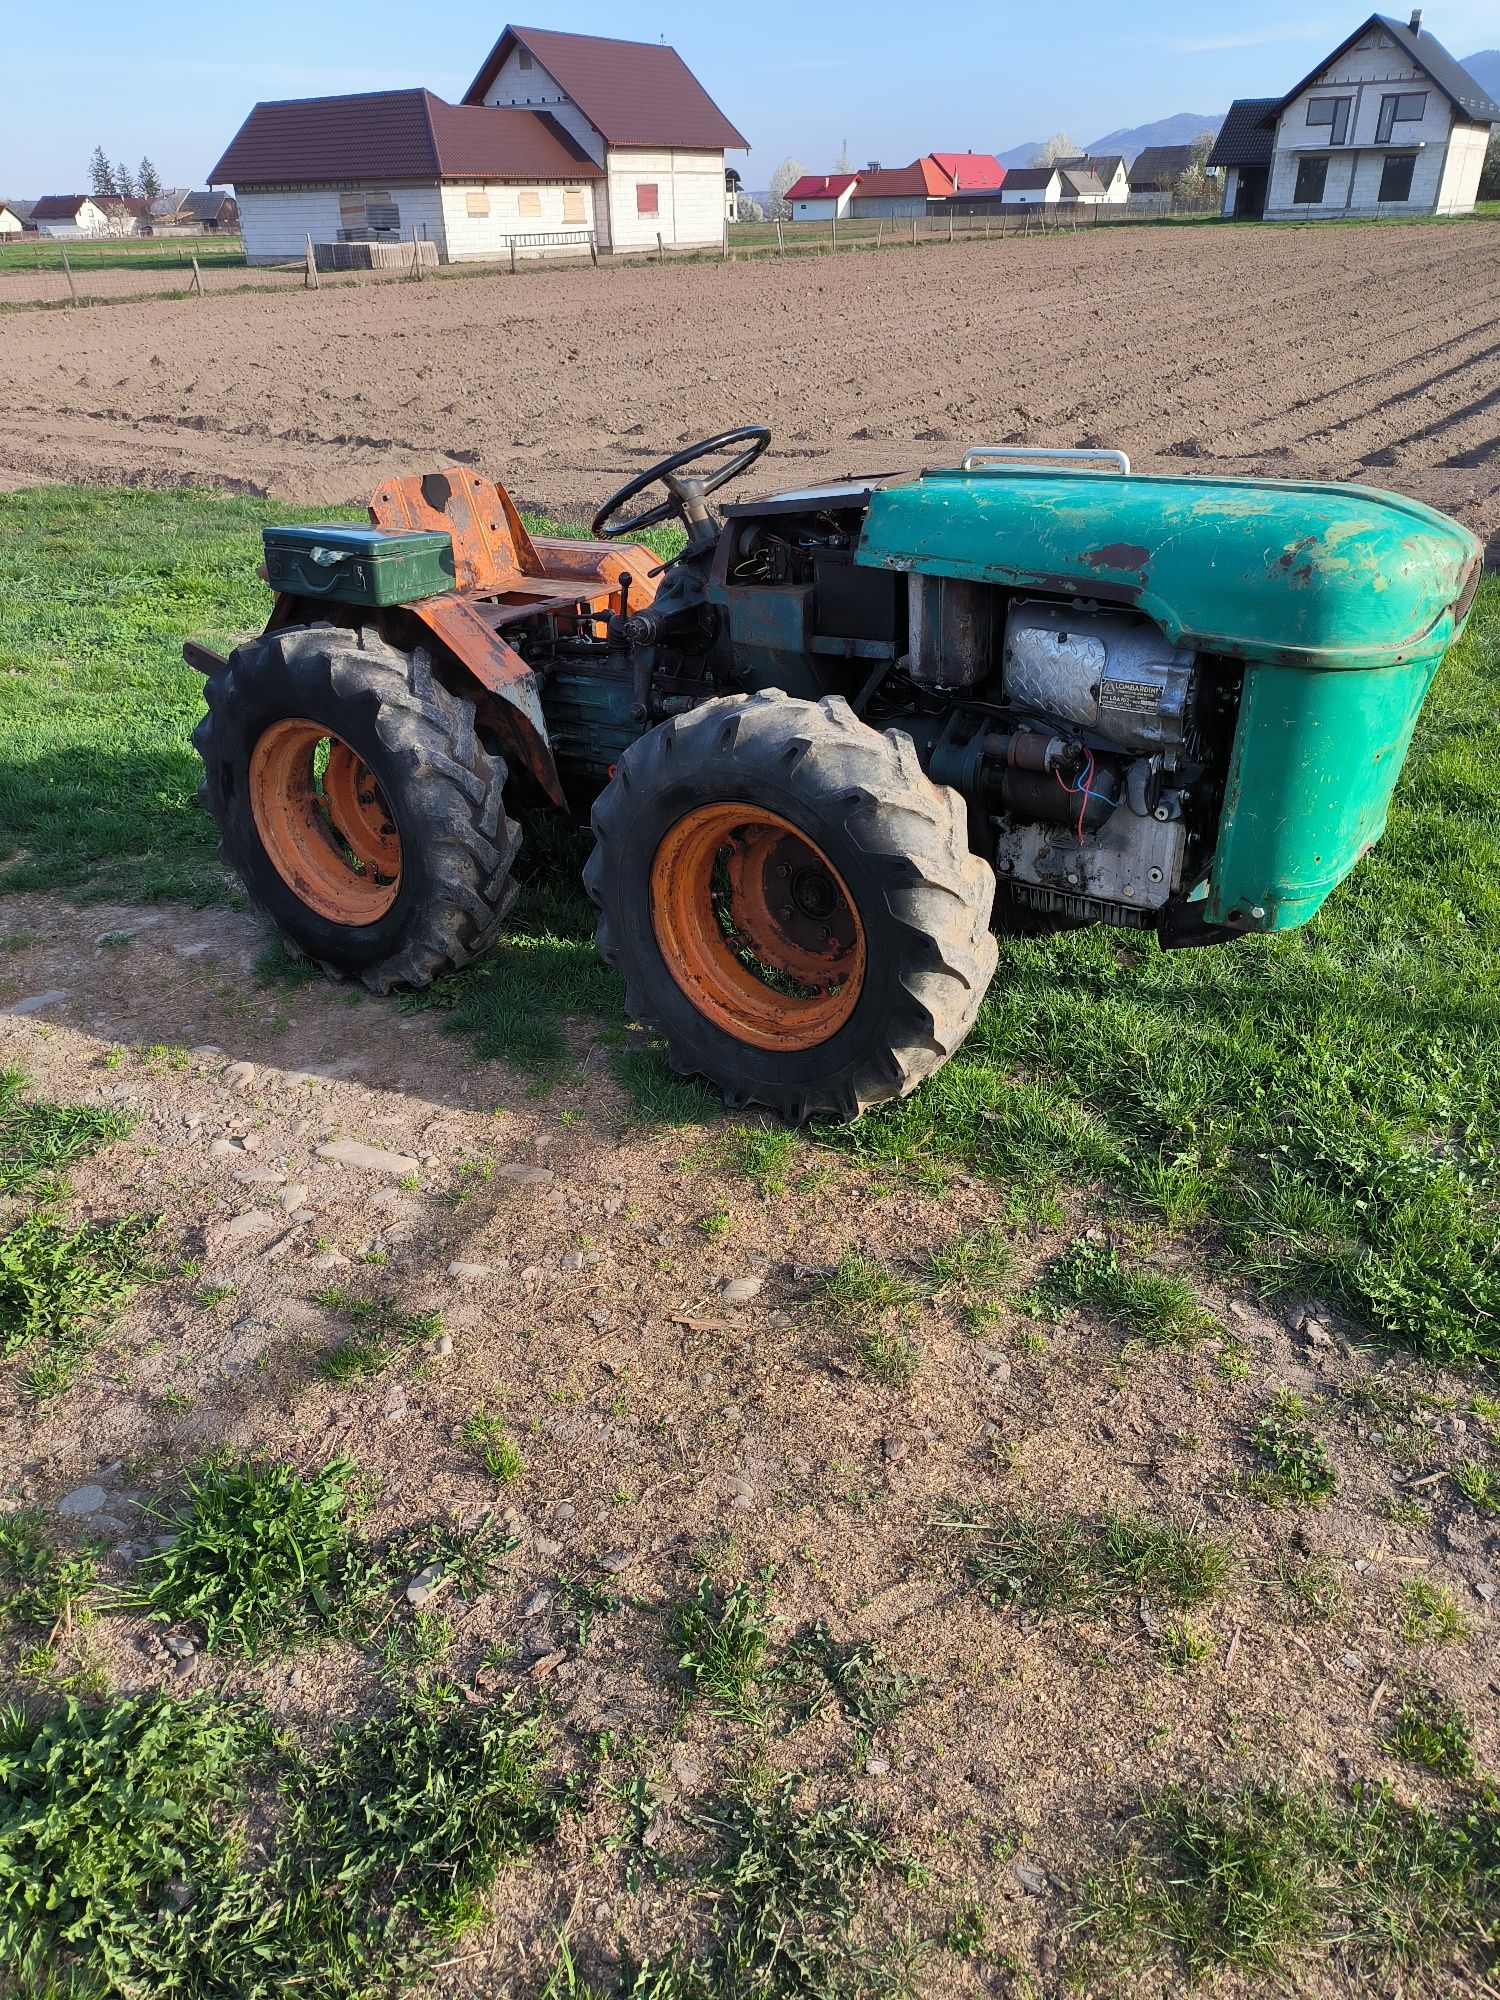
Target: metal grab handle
(980, 455)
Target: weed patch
(264, 1559)
(41, 1586)
(39, 1140)
(1427, 1731)
(723, 1638)
(498, 1454)
(1156, 1307)
(868, 1690)
(381, 1329)
(1255, 1880)
(1054, 1565)
(59, 1287)
(1295, 1467)
(1429, 1615)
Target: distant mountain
(1181, 129)
(1484, 67)
(1020, 156)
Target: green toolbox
(352, 565)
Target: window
(646, 198)
(1395, 176)
(477, 202)
(528, 202)
(1312, 177)
(1332, 112)
(573, 205)
(1402, 108)
(523, 59)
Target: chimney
(1416, 20)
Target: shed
(821, 197)
(378, 166)
(1243, 149)
(1031, 187)
(1158, 169)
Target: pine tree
(101, 173)
(125, 182)
(148, 180)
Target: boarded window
(477, 202)
(528, 202)
(1332, 112)
(573, 205)
(646, 198)
(1395, 176)
(523, 59)
(1312, 178)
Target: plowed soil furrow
(1314, 353)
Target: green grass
(264, 1559)
(869, 1692)
(723, 1639)
(146, 253)
(1053, 1565)
(60, 1286)
(1156, 1307)
(41, 1585)
(1257, 1880)
(498, 1454)
(126, 1867)
(1323, 1099)
(40, 1140)
(1294, 1464)
(1479, 1482)
(1429, 1615)
(1429, 1732)
(381, 1330)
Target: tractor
(836, 742)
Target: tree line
(117, 180)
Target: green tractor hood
(1339, 600)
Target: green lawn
(1319, 1104)
(146, 253)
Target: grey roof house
(1388, 124)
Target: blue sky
(173, 81)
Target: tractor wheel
(793, 904)
(357, 804)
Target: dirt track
(1358, 353)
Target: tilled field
(1365, 353)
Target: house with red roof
(85, 215)
(935, 179)
(560, 140)
(820, 197)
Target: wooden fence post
(512, 241)
(68, 271)
(880, 233)
(780, 241)
(310, 267)
(416, 256)
(593, 249)
(197, 278)
(661, 249)
(833, 229)
(950, 225)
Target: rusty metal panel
(492, 550)
(501, 670)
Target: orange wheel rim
(324, 822)
(757, 926)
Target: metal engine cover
(1130, 864)
(1104, 670)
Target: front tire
(357, 804)
(793, 904)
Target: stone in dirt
(423, 1584)
(253, 1222)
(353, 1153)
(239, 1075)
(616, 1560)
(82, 1500)
(292, 1197)
(222, 1149)
(34, 1002)
(524, 1175)
(739, 1291)
(179, 1647)
(461, 1270)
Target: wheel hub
(324, 822)
(756, 926)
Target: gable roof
(1156, 166)
(1082, 180)
(63, 207)
(399, 135)
(633, 93)
(1464, 92)
(209, 203)
(970, 170)
(22, 209)
(1105, 165)
(1028, 179)
(1247, 138)
(821, 187)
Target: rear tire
(402, 870)
(884, 955)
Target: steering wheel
(685, 497)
